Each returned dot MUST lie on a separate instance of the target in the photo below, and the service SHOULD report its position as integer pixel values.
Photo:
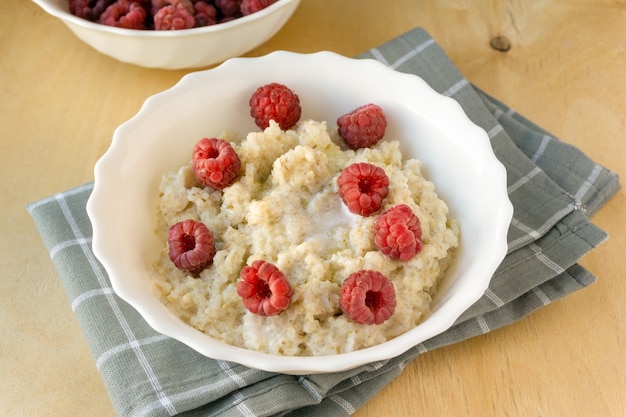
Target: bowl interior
(456, 156)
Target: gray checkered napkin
(553, 187)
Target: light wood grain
(566, 70)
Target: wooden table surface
(60, 101)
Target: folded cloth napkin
(553, 187)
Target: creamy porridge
(284, 208)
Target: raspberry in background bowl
(177, 49)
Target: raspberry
(363, 187)
(124, 14)
(275, 102)
(205, 13)
(367, 297)
(173, 17)
(155, 5)
(191, 246)
(363, 127)
(215, 163)
(398, 233)
(264, 289)
(89, 9)
(252, 6)
(229, 8)
(226, 19)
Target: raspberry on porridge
(275, 102)
(264, 289)
(363, 187)
(215, 163)
(190, 246)
(398, 233)
(362, 127)
(368, 297)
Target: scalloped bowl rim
(411, 105)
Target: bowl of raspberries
(289, 214)
(172, 34)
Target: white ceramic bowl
(456, 155)
(177, 49)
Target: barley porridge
(285, 209)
